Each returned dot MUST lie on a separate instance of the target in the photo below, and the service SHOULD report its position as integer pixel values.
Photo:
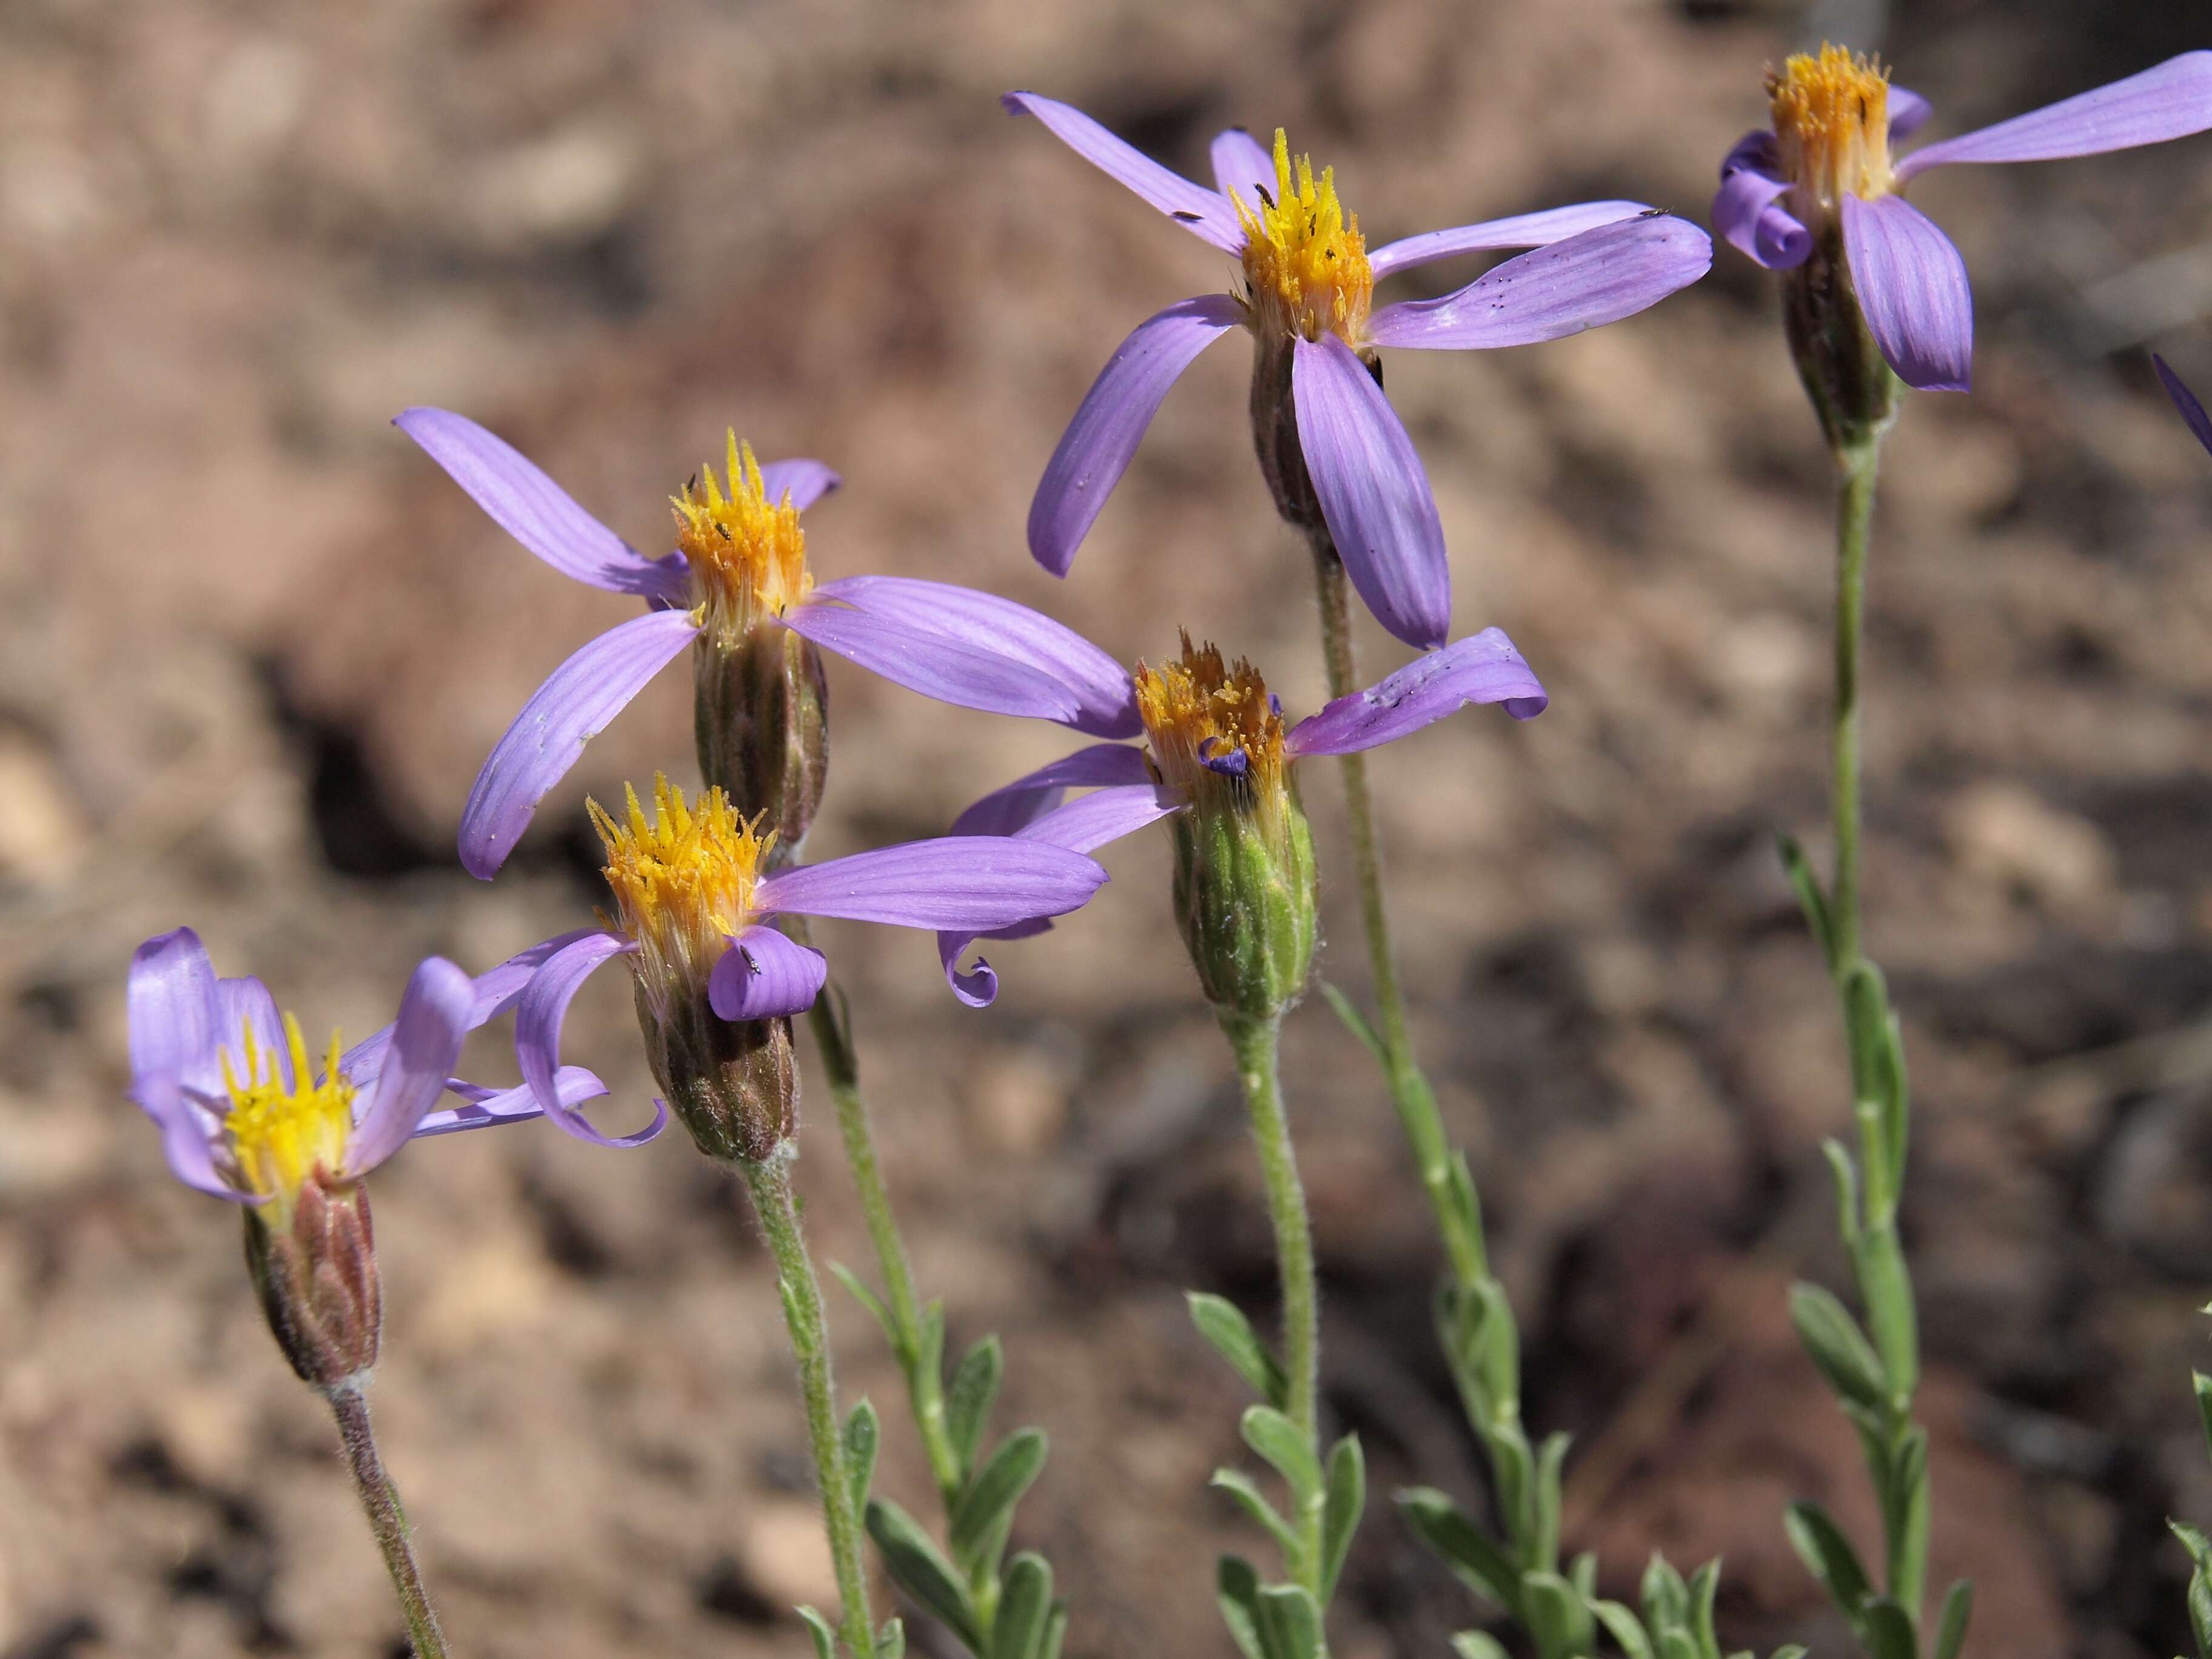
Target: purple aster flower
(244, 1115)
(2193, 412)
(739, 567)
(695, 907)
(1825, 171)
(1215, 739)
(1335, 452)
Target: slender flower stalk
(380, 1500)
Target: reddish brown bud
(318, 1282)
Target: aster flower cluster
(711, 896)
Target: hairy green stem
(1257, 1044)
(1853, 521)
(381, 1499)
(1410, 1092)
(769, 1182)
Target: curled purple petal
(248, 1007)
(1482, 668)
(1206, 213)
(175, 1022)
(972, 882)
(1747, 211)
(534, 510)
(969, 648)
(805, 481)
(1908, 112)
(1242, 166)
(1096, 448)
(1522, 230)
(1911, 287)
(561, 716)
(765, 975)
(426, 1041)
(1006, 810)
(1598, 278)
(2169, 101)
(1374, 495)
(483, 1109)
(2185, 400)
(496, 990)
(537, 1022)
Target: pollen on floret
(1211, 725)
(1305, 261)
(1831, 123)
(683, 878)
(281, 1133)
(747, 554)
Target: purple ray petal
(1204, 213)
(534, 509)
(2185, 400)
(246, 1004)
(1587, 281)
(426, 1040)
(1911, 286)
(1095, 449)
(975, 882)
(2170, 101)
(1241, 164)
(1522, 230)
(561, 716)
(175, 1022)
(805, 481)
(1747, 211)
(1908, 113)
(483, 1109)
(765, 975)
(537, 1023)
(1373, 493)
(497, 990)
(1007, 809)
(1483, 668)
(970, 649)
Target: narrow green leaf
(1677, 1642)
(861, 1436)
(1290, 1624)
(1704, 1584)
(1792, 1650)
(1846, 1179)
(1889, 1632)
(1055, 1632)
(990, 1498)
(825, 1639)
(1279, 1440)
(1897, 1100)
(1556, 1616)
(1837, 1346)
(890, 1640)
(1821, 1544)
(2202, 1384)
(1355, 1022)
(1222, 1323)
(1581, 1573)
(1466, 1204)
(2200, 1612)
(1255, 1504)
(1810, 896)
(1478, 1644)
(1025, 1609)
(1468, 1550)
(1906, 1503)
(968, 1401)
(1236, 1589)
(1626, 1629)
(921, 1571)
(2198, 1546)
(1951, 1629)
(1543, 1544)
(1347, 1499)
(928, 1356)
(1885, 1287)
(868, 1299)
(1666, 1598)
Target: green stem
(769, 1182)
(1409, 1090)
(1257, 1044)
(381, 1499)
(1854, 520)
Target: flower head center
(1305, 261)
(1831, 123)
(682, 880)
(1215, 730)
(282, 1132)
(747, 554)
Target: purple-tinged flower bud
(1246, 895)
(684, 883)
(761, 702)
(313, 1266)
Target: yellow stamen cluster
(748, 554)
(682, 880)
(1305, 261)
(281, 1133)
(1199, 709)
(1831, 123)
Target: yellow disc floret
(1305, 261)
(281, 1133)
(1200, 714)
(1831, 122)
(747, 554)
(682, 880)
